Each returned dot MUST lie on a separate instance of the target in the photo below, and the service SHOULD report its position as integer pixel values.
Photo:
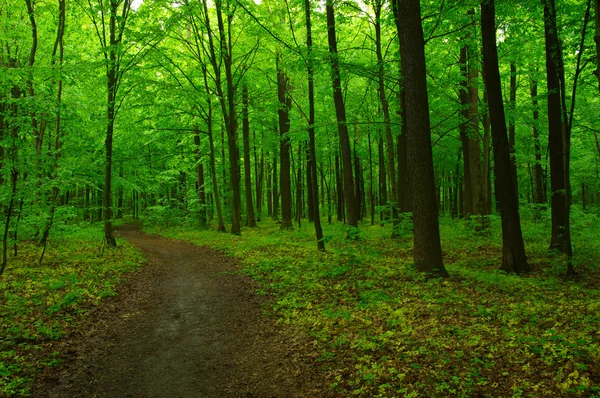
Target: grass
(40, 304)
(381, 329)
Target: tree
(312, 169)
(285, 182)
(251, 220)
(226, 99)
(427, 246)
(513, 250)
(340, 112)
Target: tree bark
(312, 172)
(513, 250)
(340, 112)
(511, 124)
(251, 220)
(557, 136)
(427, 247)
(285, 184)
(538, 173)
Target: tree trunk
(269, 190)
(557, 136)
(511, 124)
(538, 172)
(285, 184)
(340, 112)
(275, 191)
(251, 220)
(513, 250)
(339, 190)
(427, 247)
(111, 103)
(200, 177)
(227, 101)
(383, 196)
(391, 164)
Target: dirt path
(184, 327)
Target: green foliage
(382, 329)
(40, 304)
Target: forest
(411, 185)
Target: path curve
(186, 326)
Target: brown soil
(184, 326)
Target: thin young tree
(312, 172)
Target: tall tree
(226, 97)
(285, 181)
(513, 249)
(119, 12)
(427, 246)
(352, 210)
(312, 169)
(558, 136)
(251, 220)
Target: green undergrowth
(39, 304)
(381, 329)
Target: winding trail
(185, 326)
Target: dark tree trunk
(200, 178)
(511, 124)
(275, 191)
(251, 221)
(120, 194)
(391, 164)
(557, 136)
(285, 183)
(486, 174)
(464, 131)
(340, 112)
(383, 196)
(427, 247)
(269, 190)
(112, 80)
(538, 173)
(227, 101)
(339, 190)
(371, 195)
(513, 250)
(213, 165)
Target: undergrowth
(382, 329)
(39, 304)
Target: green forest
(412, 186)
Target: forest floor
(187, 325)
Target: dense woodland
(228, 114)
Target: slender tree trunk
(200, 177)
(391, 164)
(269, 190)
(383, 196)
(538, 172)
(427, 247)
(339, 190)
(513, 250)
(251, 221)
(511, 124)
(464, 131)
(285, 185)
(340, 111)
(112, 87)
(275, 190)
(227, 101)
(371, 195)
